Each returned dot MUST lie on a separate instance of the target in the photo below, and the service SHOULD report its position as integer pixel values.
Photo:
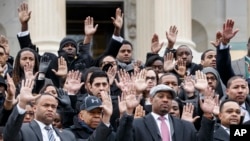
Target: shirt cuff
(22, 34)
(117, 38)
(20, 110)
(107, 124)
(222, 47)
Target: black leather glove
(64, 100)
(44, 64)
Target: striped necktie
(50, 133)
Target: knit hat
(67, 40)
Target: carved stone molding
(130, 14)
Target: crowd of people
(73, 96)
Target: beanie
(67, 40)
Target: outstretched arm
(24, 37)
(223, 58)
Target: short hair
(96, 74)
(3, 48)
(126, 42)
(101, 60)
(152, 59)
(156, 74)
(185, 47)
(229, 82)
(169, 73)
(225, 101)
(45, 94)
(204, 53)
(88, 71)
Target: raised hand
(208, 92)
(139, 112)
(111, 74)
(218, 39)
(201, 81)
(106, 106)
(124, 79)
(216, 109)
(171, 36)
(188, 84)
(140, 81)
(155, 44)
(228, 32)
(5, 43)
(118, 21)
(73, 82)
(10, 100)
(28, 71)
(11, 88)
(64, 99)
(137, 65)
(122, 104)
(207, 105)
(44, 64)
(169, 62)
(181, 68)
(24, 15)
(62, 68)
(25, 95)
(187, 113)
(132, 100)
(89, 27)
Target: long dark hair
(18, 72)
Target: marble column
(156, 16)
(144, 28)
(47, 24)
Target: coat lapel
(221, 134)
(241, 64)
(35, 127)
(59, 133)
(175, 125)
(150, 123)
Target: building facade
(196, 20)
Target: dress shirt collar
(156, 116)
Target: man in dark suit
(241, 65)
(151, 128)
(229, 115)
(39, 129)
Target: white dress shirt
(226, 129)
(158, 122)
(243, 109)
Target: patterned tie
(50, 133)
(164, 130)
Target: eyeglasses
(109, 62)
(211, 78)
(159, 67)
(30, 113)
(151, 78)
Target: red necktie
(164, 130)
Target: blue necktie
(50, 133)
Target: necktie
(164, 130)
(50, 133)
